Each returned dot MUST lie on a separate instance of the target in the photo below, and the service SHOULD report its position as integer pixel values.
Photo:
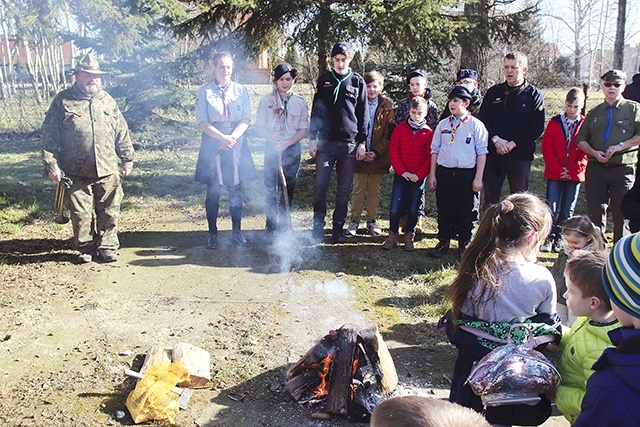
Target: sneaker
(238, 238)
(85, 258)
(546, 246)
(557, 246)
(212, 241)
(107, 255)
(440, 250)
(373, 228)
(353, 228)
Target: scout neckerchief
(510, 89)
(281, 112)
(225, 102)
(455, 128)
(339, 81)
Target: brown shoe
(408, 241)
(391, 241)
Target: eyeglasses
(613, 84)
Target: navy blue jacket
(518, 117)
(347, 119)
(632, 91)
(613, 391)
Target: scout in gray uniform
(608, 133)
(85, 137)
(223, 114)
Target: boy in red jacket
(410, 153)
(565, 165)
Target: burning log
(350, 366)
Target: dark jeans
(274, 192)
(212, 205)
(458, 204)
(405, 199)
(562, 197)
(343, 156)
(605, 187)
(517, 172)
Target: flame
(323, 388)
(354, 368)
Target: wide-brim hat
(89, 64)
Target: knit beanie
(621, 274)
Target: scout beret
(416, 73)
(460, 92)
(283, 69)
(467, 73)
(341, 48)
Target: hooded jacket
(613, 391)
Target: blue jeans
(405, 198)
(343, 156)
(562, 197)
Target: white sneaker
(373, 228)
(353, 228)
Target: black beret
(467, 73)
(416, 73)
(460, 92)
(340, 48)
(283, 69)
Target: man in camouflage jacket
(86, 138)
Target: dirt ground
(67, 330)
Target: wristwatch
(495, 139)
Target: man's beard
(91, 89)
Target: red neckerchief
(455, 128)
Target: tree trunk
(474, 44)
(618, 44)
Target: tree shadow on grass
(33, 251)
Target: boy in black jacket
(339, 121)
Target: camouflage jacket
(85, 137)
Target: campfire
(350, 370)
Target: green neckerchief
(337, 89)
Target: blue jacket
(613, 391)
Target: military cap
(467, 73)
(283, 69)
(416, 73)
(613, 75)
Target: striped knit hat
(621, 274)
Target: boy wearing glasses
(609, 132)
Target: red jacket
(410, 152)
(556, 155)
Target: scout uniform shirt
(625, 124)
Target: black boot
(337, 235)
(440, 250)
(212, 241)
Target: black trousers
(458, 204)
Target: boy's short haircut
(418, 411)
(585, 272)
(418, 102)
(520, 58)
(374, 76)
(574, 94)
